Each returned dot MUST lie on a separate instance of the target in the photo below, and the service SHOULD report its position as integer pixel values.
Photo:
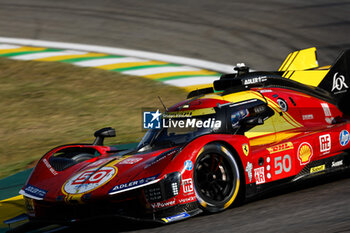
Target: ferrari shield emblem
(245, 148)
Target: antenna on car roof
(161, 101)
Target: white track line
(184, 82)
(107, 61)
(39, 55)
(158, 70)
(9, 46)
(123, 52)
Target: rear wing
(300, 60)
(301, 66)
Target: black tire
(216, 178)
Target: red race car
(247, 133)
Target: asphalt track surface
(259, 33)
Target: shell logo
(305, 153)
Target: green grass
(46, 104)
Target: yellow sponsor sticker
(318, 168)
(280, 147)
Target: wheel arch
(239, 196)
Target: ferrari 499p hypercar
(250, 131)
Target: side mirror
(101, 134)
(252, 121)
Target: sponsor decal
(99, 162)
(280, 147)
(265, 91)
(245, 148)
(176, 217)
(308, 117)
(326, 110)
(248, 169)
(89, 180)
(133, 184)
(339, 84)
(325, 143)
(163, 204)
(162, 156)
(305, 153)
(337, 163)
(283, 104)
(152, 120)
(47, 164)
(130, 161)
(187, 185)
(344, 137)
(187, 199)
(35, 191)
(318, 168)
(327, 113)
(156, 160)
(188, 165)
(254, 80)
(259, 174)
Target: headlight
(167, 188)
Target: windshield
(177, 131)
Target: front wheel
(216, 178)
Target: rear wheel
(216, 178)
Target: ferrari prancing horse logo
(245, 148)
